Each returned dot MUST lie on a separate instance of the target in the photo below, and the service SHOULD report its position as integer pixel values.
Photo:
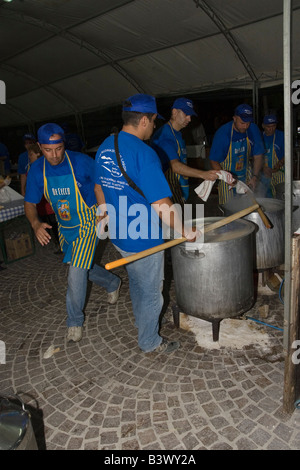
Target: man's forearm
(100, 198)
(169, 215)
(39, 228)
(185, 170)
(31, 213)
(23, 179)
(257, 164)
(215, 165)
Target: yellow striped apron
(76, 221)
(277, 177)
(236, 162)
(179, 184)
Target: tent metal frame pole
(255, 101)
(287, 34)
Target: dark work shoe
(167, 346)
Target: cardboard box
(19, 246)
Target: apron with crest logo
(76, 221)
(179, 184)
(271, 161)
(236, 162)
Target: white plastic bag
(8, 194)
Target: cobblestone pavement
(104, 393)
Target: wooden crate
(18, 247)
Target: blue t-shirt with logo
(165, 143)
(4, 153)
(83, 167)
(169, 145)
(73, 142)
(278, 145)
(23, 163)
(222, 137)
(133, 224)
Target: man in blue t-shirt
(171, 149)
(66, 181)
(24, 161)
(273, 168)
(134, 214)
(4, 159)
(234, 145)
(72, 140)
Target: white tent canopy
(62, 57)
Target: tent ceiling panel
(41, 104)
(71, 56)
(15, 81)
(260, 41)
(96, 88)
(146, 29)
(55, 59)
(9, 116)
(17, 35)
(295, 40)
(186, 67)
(65, 13)
(245, 12)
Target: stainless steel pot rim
(296, 187)
(225, 234)
(268, 205)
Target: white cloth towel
(204, 189)
(241, 188)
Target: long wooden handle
(264, 218)
(261, 213)
(177, 241)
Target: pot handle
(192, 253)
(221, 209)
(13, 396)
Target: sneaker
(74, 333)
(167, 346)
(112, 297)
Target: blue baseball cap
(245, 112)
(47, 131)
(141, 103)
(270, 119)
(186, 105)
(29, 137)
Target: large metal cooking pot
(280, 194)
(269, 243)
(214, 280)
(16, 432)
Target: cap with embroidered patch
(245, 112)
(186, 105)
(47, 131)
(270, 119)
(29, 137)
(141, 103)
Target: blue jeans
(77, 285)
(146, 278)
